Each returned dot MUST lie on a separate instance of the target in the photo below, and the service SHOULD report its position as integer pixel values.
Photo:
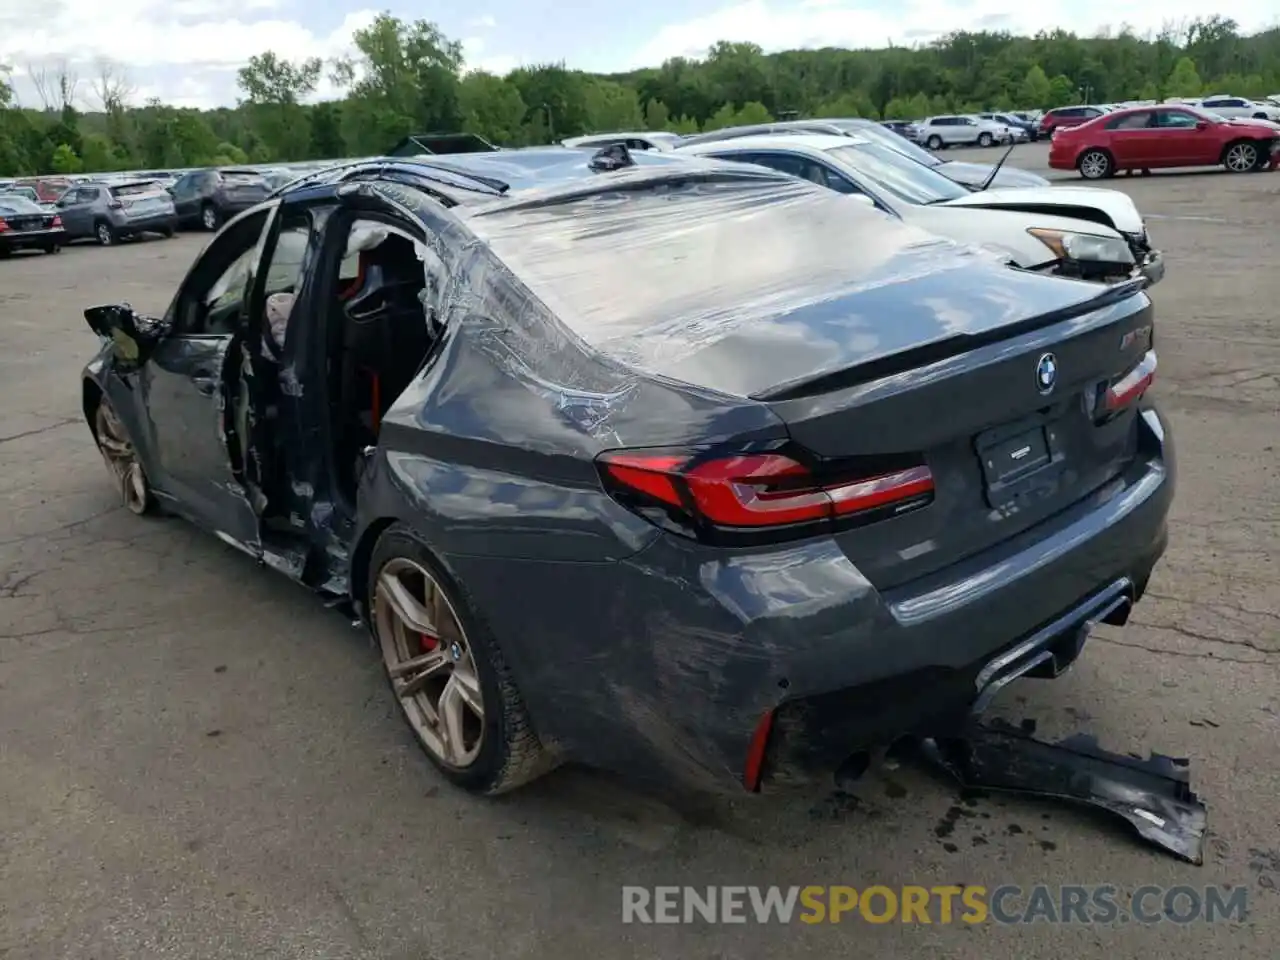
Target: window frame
(198, 283)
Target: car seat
(385, 334)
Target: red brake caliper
(429, 642)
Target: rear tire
(168, 233)
(54, 248)
(1096, 164)
(209, 218)
(1241, 156)
(104, 234)
(985, 140)
(934, 142)
(496, 749)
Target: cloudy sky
(186, 51)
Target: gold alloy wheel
(430, 662)
(121, 460)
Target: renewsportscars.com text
(1005, 904)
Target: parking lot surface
(198, 760)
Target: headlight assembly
(1083, 246)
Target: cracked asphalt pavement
(198, 760)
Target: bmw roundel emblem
(1046, 372)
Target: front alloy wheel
(209, 218)
(1241, 157)
(447, 673)
(984, 140)
(934, 142)
(121, 458)
(104, 234)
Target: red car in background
(48, 189)
(1063, 118)
(1169, 135)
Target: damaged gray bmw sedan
(690, 471)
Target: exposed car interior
(379, 336)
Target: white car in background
(1239, 108)
(1081, 232)
(647, 140)
(956, 130)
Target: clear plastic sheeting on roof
(653, 271)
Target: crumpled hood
(975, 175)
(1071, 202)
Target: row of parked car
(1096, 141)
(45, 213)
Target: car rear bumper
(667, 665)
(157, 223)
(230, 208)
(31, 239)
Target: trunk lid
(25, 223)
(244, 188)
(1006, 452)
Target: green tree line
(408, 77)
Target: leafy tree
(656, 115)
(65, 160)
(753, 112)
(1062, 92)
(556, 99)
(98, 153)
(684, 126)
(491, 107)
(273, 93)
(1184, 81)
(726, 116)
(1035, 90)
(611, 106)
(855, 104)
(404, 79)
(326, 132)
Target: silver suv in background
(110, 212)
(207, 198)
(1234, 108)
(958, 131)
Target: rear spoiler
(945, 349)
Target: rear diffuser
(1154, 795)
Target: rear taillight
(116, 205)
(756, 490)
(56, 222)
(1132, 385)
(3, 226)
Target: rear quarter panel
(490, 452)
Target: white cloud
(183, 51)
(148, 33)
(835, 23)
(473, 52)
(186, 52)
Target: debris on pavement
(1154, 795)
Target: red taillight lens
(57, 221)
(3, 226)
(756, 490)
(1132, 385)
